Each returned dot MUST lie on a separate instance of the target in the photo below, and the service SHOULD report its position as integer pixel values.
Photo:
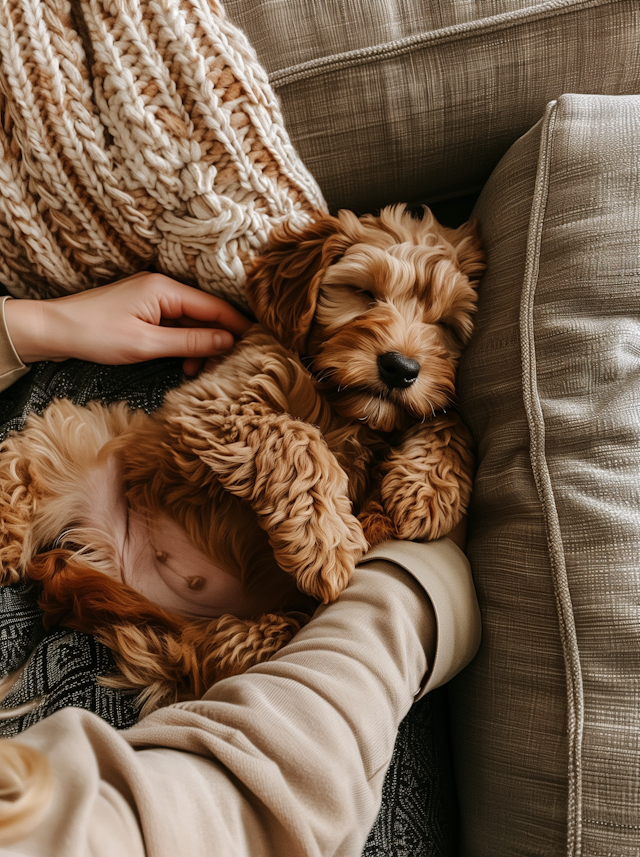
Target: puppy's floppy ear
(466, 242)
(283, 286)
(77, 596)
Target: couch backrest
(406, 99)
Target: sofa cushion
(546, 719)
(408, 99)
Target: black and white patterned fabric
(417, 818)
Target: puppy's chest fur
(262, 373)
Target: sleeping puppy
(377, 311)
(195, 541)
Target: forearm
(286, 759)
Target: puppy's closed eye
(340, 304)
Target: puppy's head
(378, 307)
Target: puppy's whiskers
(308, 361)
(324, 377)
(328, 377)
(367, 415)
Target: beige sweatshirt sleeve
(11, 366)
(286, 760)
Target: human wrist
(35, 330)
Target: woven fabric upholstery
(547, 718)
(408, 100)
(136, 134)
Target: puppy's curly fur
(350, 291)
(337, 405)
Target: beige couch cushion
(408, 99)
(547, 718)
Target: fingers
(124, 323)
(180, 321)
(177, 300)
(191, 343)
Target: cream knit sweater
(134, 134)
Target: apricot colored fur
(46, 476)
(348, 289)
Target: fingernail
(223, 341)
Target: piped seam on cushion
(535, 419)
(389, 50)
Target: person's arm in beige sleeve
(287, 759)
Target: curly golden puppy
(340, 400)
(377, 310)
(187, 540)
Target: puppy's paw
(331, 568)
(426, 482)
(428, 520)
(333, 578)
(422, 519)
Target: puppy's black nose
(396, 370)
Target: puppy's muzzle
(396, 370)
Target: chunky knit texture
(136, 134)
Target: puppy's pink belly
(154, 555)
(162, 564)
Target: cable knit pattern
(136, 134)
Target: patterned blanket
(417, 818)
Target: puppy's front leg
(283, 468)
(426, 481)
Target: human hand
(139, 318)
